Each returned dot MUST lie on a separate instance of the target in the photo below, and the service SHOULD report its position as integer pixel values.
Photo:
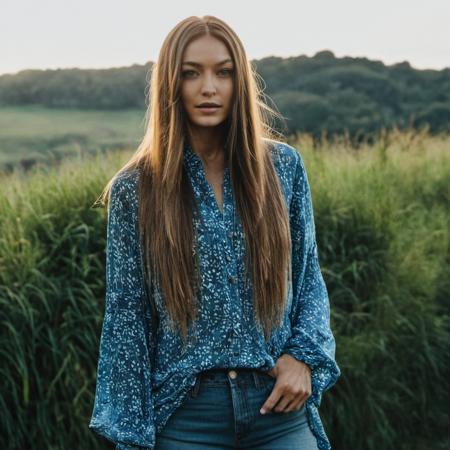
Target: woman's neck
(209, 147)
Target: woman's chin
(207, 121)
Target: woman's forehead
(206, 50)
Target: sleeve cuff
(324, 370)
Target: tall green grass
(383, 228)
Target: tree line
(315, 94)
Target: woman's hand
(292, 387)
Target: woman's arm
(312, 340)
(123, 407)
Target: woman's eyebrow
(196, 64)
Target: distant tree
(354, 95)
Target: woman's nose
(208, 85)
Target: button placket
(230, 257)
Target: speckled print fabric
(144, 373)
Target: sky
(50, 34)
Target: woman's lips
(208, 109)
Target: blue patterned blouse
(143, 373)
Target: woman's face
(206, 77)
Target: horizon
(258, 59)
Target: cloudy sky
(49, 34)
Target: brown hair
(166, 197)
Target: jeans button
(232, 374)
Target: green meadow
(37, 135)
(383, 229)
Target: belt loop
(256, 378)
(196, 387)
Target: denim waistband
(238, 375)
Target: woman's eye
(187, 72)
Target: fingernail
(262, 411)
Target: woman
(216, 331)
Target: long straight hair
(166, 199)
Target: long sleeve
(123, 406)
(312, 340)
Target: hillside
(315, 94)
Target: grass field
(40, 135)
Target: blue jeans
(221, 411)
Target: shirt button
(231, 279)
(232, 374)
(228, 257)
